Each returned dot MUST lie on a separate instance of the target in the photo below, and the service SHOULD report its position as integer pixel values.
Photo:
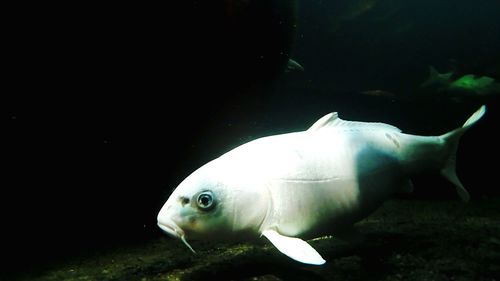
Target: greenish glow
(470, 82)
(483, 85)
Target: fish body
(301, 185)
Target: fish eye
(205, 200)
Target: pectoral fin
(295, 248)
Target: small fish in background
(379, 93)
(292, 65)
(466, 86)
(307, 184)
(436, 79)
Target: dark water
(113, 106)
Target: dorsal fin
(327, 120)
(333, 120)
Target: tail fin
(452, 139)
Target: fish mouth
(171, 229)
(175, 231)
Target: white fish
(305, 184)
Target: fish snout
(166, 223)
(170, 227)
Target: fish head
(199, 208)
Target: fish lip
(171, 228)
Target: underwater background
(112, 106)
